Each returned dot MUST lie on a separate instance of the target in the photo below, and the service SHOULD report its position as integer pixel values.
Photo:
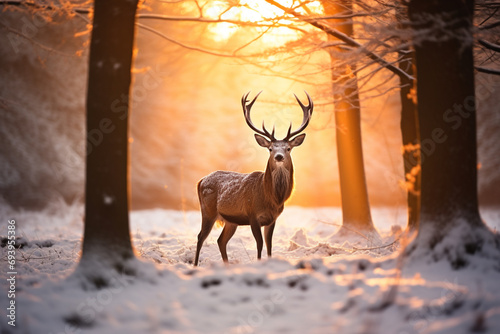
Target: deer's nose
(279, 157)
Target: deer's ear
(297, 140)
(262, 141)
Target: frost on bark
(450, 225)
(353, 189)
(106, 243)
(409, 134)
(409, 128)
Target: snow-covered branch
(343, 37)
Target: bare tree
(356, 213)
(107, 248)
(106, 243)
(450, 225)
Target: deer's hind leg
(225, 236)
(208, 205)
(206, 226)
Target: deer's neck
(278, 183)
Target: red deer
(254, 199)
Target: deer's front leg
(268, 234)
(257, 234)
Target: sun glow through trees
(267, 19)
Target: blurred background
(186, 117)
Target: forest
(115, 114)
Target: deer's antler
(246, 112)
(307, 110)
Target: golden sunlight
(264, 17)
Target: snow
(313, 283)
(108, 200)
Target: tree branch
(201, 20)
(489, 45)
(487, 70)
(343, 37)
(351, 16)
(490, 26)
(162, 35)
(74, 9)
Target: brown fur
(282, 184)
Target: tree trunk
(450, 225)
(106, 235)
(410, 134)
(447, 113)
(355, 205)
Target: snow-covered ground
(315, 283)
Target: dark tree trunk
(107, 235)
(447, 111)
(410, 133)
(450, 225)
(354, 194)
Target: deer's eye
(289, 149)
(270, 149)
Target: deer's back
(229, 184)
(230, 193)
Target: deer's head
(279, 150)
